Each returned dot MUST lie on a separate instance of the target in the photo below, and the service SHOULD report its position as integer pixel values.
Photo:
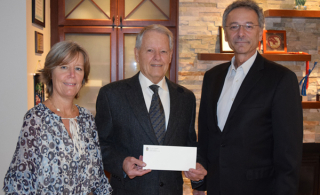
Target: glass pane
(87, 9)
(164, 5)
(147, 10)
(98, 48)
(69, 5)
(130, 65)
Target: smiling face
(154, 55)
(67, 78)
(242, 41)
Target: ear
(170, 55)
(260, 34)
(136, 54)
(225, 36)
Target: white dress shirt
(231, 86)
(163, 93)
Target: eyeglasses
(236, 27)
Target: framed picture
(38, 89)
(224, 46)
(38, 12)
(274, 41)
(38, 42)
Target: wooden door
(107, 30)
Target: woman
(58, 150)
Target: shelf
(271, 57)
(292, 13)
(310, 105)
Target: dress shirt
(163, 93)
(231, 86)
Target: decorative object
(300, 5)
(38, 89)
(274, 41)
(304, 81)
(224, 46)
(38, 12)
(38, 42)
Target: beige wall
(199, 22)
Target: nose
(157, 55)
(241, 30)
(71, 72)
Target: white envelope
(169, 158)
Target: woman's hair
(158, 28)
(63, 53)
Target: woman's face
(67, 78)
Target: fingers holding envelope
(133, 167)
(196, 174)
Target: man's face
(154, 55)
(244, 40)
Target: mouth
(70, 84)
(156, 65)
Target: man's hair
(154, 27)
(249, 4)
(63, 53)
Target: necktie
(156, 114)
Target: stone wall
(199, 22)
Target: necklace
(58, 108)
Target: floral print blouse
(46, 162)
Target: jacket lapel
(248, 83)
(217, 89)
(136, 100)
(175, 108)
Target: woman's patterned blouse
(46, 162)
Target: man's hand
(133, 167)
(196, 192)
(196, 174)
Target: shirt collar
(145, 82)
(245, 66)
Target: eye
(149, 50)
(234, 27)
(249, 27)
(79, 69)
(164, 51)
(63, 67)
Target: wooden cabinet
(107, 30)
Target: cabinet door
(127, 64)
(146, 12)
(87, 12)
(100, 43)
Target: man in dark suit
(250, 118)
(124, 124)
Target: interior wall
(32, 57)
(18, 63)
(13, 86)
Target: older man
(125, 119)
(250, 118)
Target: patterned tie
(156, 114)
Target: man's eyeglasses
(236, 27)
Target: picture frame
(38, 42)
(274, 41)
(39, 12)
(224, 46)
(38, 89)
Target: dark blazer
(124, 127)
(260, 148)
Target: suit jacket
(124, 126)
(260, 148)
